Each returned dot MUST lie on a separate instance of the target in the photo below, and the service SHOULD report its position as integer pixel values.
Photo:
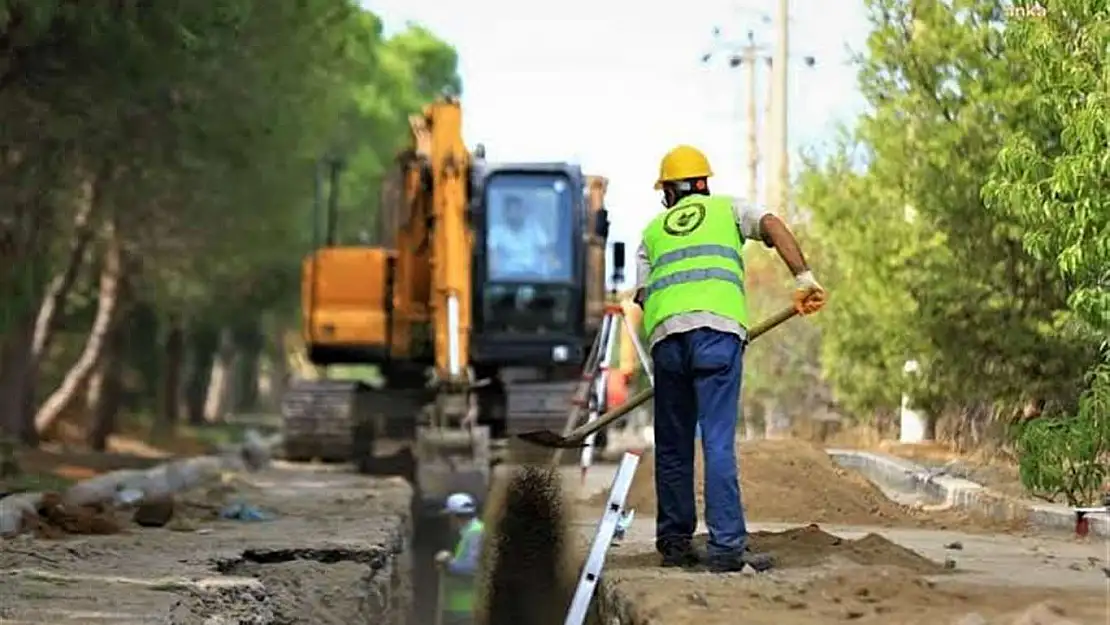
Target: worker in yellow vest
(460, 568)
(690, 283)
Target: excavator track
(539, 405)
(350, 421)
(384, 432)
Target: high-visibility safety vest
(459, 595)
(697, 262)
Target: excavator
(475, 307)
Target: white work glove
(809, 295)
(442, 558)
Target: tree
(922, 269)
(171, 148)
(1052, 173)
(1051, 179)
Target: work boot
(734, 563)
(679, 554)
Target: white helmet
(460, 504)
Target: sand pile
(811, 546)
(528, 569)
(788, 480)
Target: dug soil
(806, 547)
(529, 559)
(873, 595)
(796, 482)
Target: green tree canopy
(922, 269)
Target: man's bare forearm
(777, 235)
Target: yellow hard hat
(682, 162)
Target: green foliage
(1053, 174)
(783, 365)
(919, 267)
(1067, 457)
(199, 126)
(194, 129)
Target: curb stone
(905, 476)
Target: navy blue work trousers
(697, 382)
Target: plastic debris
(244, 512)
(623, 523)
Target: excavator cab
(537, 287)
(528, 290)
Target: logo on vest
(681, 221)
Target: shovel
(577, 437)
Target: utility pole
(768, 140)
(748, 55)
(778, 178)
(779, 171)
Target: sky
(613, 88)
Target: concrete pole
(750, 57)
(768, 111)
(914, 423)
(780, 165)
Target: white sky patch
(613, 88)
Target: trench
(354, 577)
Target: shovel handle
(441, 594)
(643, 396)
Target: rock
(155, 512)
(972, 619)
(255, 451)
(13, 511)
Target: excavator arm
(452, 242)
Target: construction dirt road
(331, 548)
(338, 549)
(845, 553)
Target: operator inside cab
(520, 247)
(459, 569)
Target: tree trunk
(52, 308)
(15, 363)
(53, 301)
(107, 305)
(202, 343)
(174, 360)
(106, 391)
(221, 383)
(776, 423)
(250, 342)
(279, 370)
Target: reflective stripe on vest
(696, 255)
(460, 592)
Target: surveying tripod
(591, 394)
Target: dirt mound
(526, 572)
(56, 519)
(788, 480)
(811, 546)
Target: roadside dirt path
(333, 553)
(869, 560)
(795, 481)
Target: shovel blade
(549, 439)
